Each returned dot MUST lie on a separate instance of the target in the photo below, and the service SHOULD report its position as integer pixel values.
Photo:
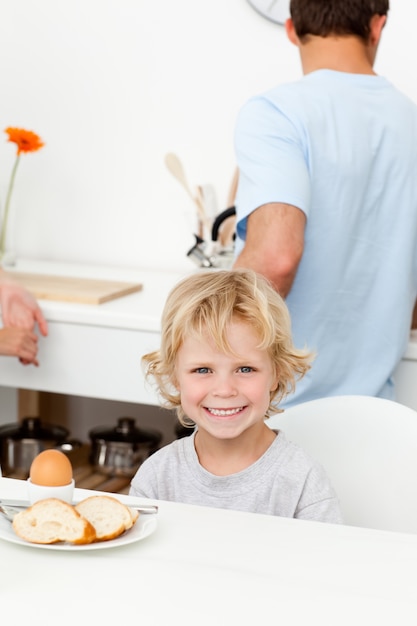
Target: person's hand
(21, 343)
(19, 308)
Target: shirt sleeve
(272, 157)
(318, 501)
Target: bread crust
(109, 516)
(52, 521)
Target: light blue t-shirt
(342, 148)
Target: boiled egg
(51, 468)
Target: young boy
(226, 359)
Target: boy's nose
(224, 387)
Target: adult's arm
(274, 244)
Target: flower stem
(6, 208)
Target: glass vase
(7, 248)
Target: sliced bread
(52, 520)
(134, 513)
(109, 516)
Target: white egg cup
(42, 492)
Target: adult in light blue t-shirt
(327, 200)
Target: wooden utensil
(176, 168)
(228, 228)
(227, 231)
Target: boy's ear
(290, 30)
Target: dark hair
(335, 17)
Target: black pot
(121, 450)
(21, 442)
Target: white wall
(112, 86)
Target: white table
(211, 566)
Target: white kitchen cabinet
(95, 350)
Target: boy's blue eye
(202, 370)
(245, 369)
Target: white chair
(368, 446)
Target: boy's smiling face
(222, 393)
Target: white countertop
(137, 311)
(210, 566)
(95, 350)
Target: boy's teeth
(223, 412)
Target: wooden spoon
(175, 166)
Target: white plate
(145, 526)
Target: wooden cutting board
(72, 289)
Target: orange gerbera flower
(26, 140)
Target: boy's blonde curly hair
(204, 304)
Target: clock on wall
(277, 11)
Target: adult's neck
(342, 54)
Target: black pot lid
(33, 428)
(126, 431)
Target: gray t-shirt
(285, 481)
